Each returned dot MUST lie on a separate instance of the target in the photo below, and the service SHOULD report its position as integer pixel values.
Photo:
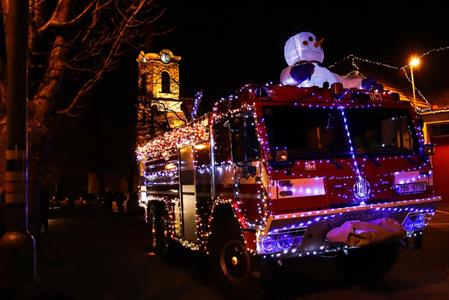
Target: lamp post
(413, 63)
(17, 245)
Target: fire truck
(276, 174)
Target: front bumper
(309, 229)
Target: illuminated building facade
(159, 103)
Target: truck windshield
(381, 132)
(306, 133)
(317, 133)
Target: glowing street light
(414, 62)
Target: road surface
(89, 256)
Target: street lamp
(413, 63)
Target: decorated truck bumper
(305, 233)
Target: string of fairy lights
(196, 103)
(354, 59)
(162, 171)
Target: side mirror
(243, 140)
(428, 149)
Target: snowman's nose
(318, 43)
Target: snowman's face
(309, 41)
(303, 46)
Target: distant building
(436, 131)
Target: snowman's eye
(310, 38)
(305, 43)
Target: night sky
(226, 44)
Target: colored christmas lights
(162, 169)
(353, 58)
(168, 143)
(196, 103)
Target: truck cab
(277, 173)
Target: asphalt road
(89, 256)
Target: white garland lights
(353, 58)
(163, 148)
(196, 103)
(163, 171)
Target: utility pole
(414, 62)
(17, 245)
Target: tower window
(165, 82)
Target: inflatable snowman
(304, 54)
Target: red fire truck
(279, 173)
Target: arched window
(165, 82)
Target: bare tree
(72, 45)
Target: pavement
(87, 255)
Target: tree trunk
(38, 119)
(3, 98)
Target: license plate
(415, 187)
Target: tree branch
(89, 84)
(54, 22)
(153, 34)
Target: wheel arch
(162, 208)
(222, 213)
(160, 205)
(227, 234)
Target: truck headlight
(268, 243)
(285, 241)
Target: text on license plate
(415, 187)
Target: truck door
(202, 184)
(187, 193)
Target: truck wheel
(159, 234)
(230, 261)
(368, 263)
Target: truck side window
(245, 145)
(222, 143)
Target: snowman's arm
(302, 72)
(297, 73)
(350, 82)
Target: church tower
(159, 103)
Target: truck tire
(369, 263)
(158, 231)
(230, 261)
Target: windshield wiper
(336, 163)
(417, 164)
(371, 159)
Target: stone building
(159, 103)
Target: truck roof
(336, 94)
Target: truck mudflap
(304, 233)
